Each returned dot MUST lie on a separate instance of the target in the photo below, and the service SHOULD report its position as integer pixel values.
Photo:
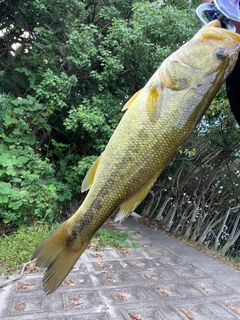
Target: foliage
(17, 248)
(66, 70)
(28, 185)
(114, 238)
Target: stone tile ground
(162, 279)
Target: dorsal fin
(130, 101)
(89, 178)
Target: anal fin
(128, 206)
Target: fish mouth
(214, 23)
(214, 31)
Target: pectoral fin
(130, 101)
(153, 104)
(131, 204)
(89, 178)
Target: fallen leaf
(92, 246)
(183, 275)
(24, 286)
(135, 316)
(109, 278)
(205, 289)
(31, 268)
(123, 296)
(138, 264)
(164, 292)
(188, 314)
(109, 226)
(154, 253)
(126, 253)
(70, 282)
(103, 265)
(150, 277)
(74, 301)
(19, 306)
(233, 309)
(96, 255)
(34, 270)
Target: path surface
(162, 279)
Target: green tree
(67, 67)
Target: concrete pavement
(161, 279)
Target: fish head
(209, 57)
(221, 45)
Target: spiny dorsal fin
(130, 101)
(89, 178)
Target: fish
(157, 121)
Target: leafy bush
(29, 188)
(65, 73)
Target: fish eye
(222, 53)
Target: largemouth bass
(158, 120)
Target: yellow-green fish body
(158, 120)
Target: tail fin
(58, 252)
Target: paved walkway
(162, 279)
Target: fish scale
(157, 121)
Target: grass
(113, 238)
(17, 248)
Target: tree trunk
(233, 237)
(163, 206)
(229, 243)
(148, 206)
(194, 213)
(156, 206)
(197, 228)
(168, 222)
(216, 242)
(186, 214)
(208, 228)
